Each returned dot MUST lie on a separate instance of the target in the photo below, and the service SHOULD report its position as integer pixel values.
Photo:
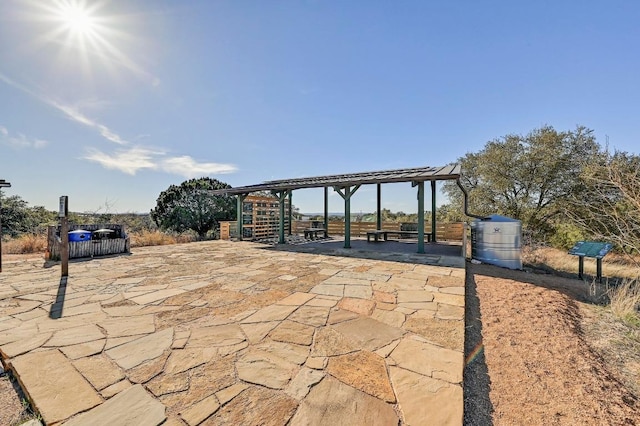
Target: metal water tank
(497, 240)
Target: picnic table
(312, 233)
(385, 234)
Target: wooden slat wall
(444, 231)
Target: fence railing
(449, 231)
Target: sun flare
(77, 19)
(87, 34)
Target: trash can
(79, 235)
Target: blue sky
(110, 102)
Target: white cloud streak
(69, 111)
(128, 161)
(134, 159)
(188, 167)
(77, 116)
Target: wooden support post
(64, 248)
(64, 235)
(599, 269)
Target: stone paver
(332, 403)
(142, 349)
(421, 398)
(53, 384)
(131, 407)
(238, 333)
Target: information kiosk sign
(595, 249)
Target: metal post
(282, 196)
(240, 201)
(290, 210)
(580, 266)
(348, 192)
(326, 210)
(3, 184)
(433, 211)
(379, 215)
(420, 217)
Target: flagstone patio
(225, 332)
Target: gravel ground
(529, 361)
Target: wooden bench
(385, 234)
(312, 233)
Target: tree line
(563, 185)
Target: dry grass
(555, 260)
(25, 244)
(157, 238)
(625, 302)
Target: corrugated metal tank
(497, 240)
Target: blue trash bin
(79, 235)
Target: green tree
(526, 177)
(191, 206)
(15, 215)
(18, 218)
(608, 205)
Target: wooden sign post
(64, 235)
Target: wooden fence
(98, 245)
(452, 231)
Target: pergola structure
(346, 185)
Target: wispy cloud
(77, 116)
(128, 161)
(69, 111)
(20, 140)
(188, 167)
(132, 160)
(129, 158)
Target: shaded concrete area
(441, 253)
(239, 333)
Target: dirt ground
(12, 412)
(539, 353)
